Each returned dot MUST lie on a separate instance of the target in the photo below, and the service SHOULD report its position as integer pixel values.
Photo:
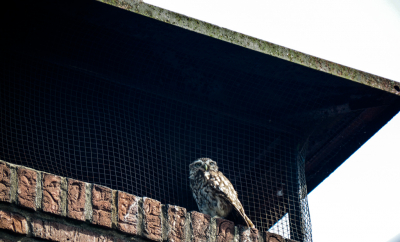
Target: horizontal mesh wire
(106, 96)
(141, 143)
(75, 108)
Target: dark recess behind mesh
(110, 97)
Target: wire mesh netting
(106, 133)
(131, 106)
(106, 96)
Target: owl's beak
(206, 167)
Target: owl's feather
(213, 192)
(229, 193)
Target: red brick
(5, 240)
(13, 222)
(51, 194)
(76, 199)
(61, 232)
(200, 226)
(27, 180)
(176, 223)
(102, 202)
(121, 240)
(5, 177)
(271, 237)
(247, 234)
(225, 230)
(152, 219)
(254, 234)
(128, 213)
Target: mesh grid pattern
(103, 95)
(106, 96)
(72, 106)
(138, 142)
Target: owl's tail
(239, 216)
(248, 222)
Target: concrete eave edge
(139, 7)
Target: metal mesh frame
(130, 140)
(103, 95)
(71, 106)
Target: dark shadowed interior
(100, 94)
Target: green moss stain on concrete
(137, 6)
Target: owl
(213, 192)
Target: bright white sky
(360, 201)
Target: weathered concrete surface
(252, 43)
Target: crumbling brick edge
(38, 205)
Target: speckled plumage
(213, 192)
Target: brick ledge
(35, 204)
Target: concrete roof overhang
(336, 108)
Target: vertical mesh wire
(140, 143)
(132, 115)
(109, 97)
(300, 223)
(305, 231)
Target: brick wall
(37, 206)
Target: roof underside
(335, 108)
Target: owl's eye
(198, 164)
(212, 163)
